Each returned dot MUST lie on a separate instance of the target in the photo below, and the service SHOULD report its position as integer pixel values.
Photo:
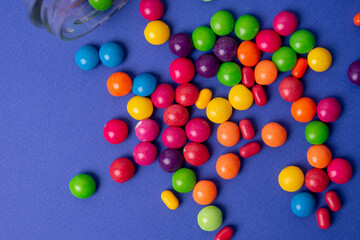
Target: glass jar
(69, 19)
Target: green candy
(101, 5)
(82, 186)
(285, 59)
(302, 41)
(316, 132)
(210, 218)
(222, 23)
(184, 180)
(203, 38)
(246, 27)
(229, 74)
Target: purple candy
(225, 49)
(354, 73)
(207, 65)
(181, 45)
(170, 160)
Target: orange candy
(357, 19)
(119, 84)
(319, 156)
(265, 72)
(248, 53)
(228, 166)
(300, 68)
(228, 134)
(204, 192)
(303, 109)
(273, 134)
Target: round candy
(303, 204)
(163, 96)
(328, 109)
(122, 170)
(228, 166)
(229, 74)
(186, 94)
(140, 108)
(144, 84)
(316, 132)
(115, 131)
(111, 54)
(181, 45)
(197, 130)
(170, 160)
(173, 137)
(339, 171)
(176, 115)
(204, 98)
(248, 78)
(119, 84)
(303, 110)
(319, 156)
(248, 53)
(228, 134)
(207, 65)
(157, 32)
(195, 154)
(222, 23)
(357, 19)
(225, 49)
(218, 110)
(183, 180)
(268, 41)
(285, 23)
(291, 179)
(203, 38)
(182, 70)
(290, 89)
(210, 218)
(147, 130)
(145, 153)
(151, 9)
(246, 27)
(204, 192)
(87, 57)
(316, 180)
(265, 72)
(82, 186)
(101, 5)
(319, 59)
(273, 134)
(302, 41)
(285, 59)
(354, 73)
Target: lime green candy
(184, 180)
(246, 27)
(302, 41)
(203, 38)
(82, 186)
(222, 23)
(101, 5)
(229, 74)
(316, 132)
(210, 218)
(285, 59)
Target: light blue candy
(111, 54)
(87, 57)
(144, 84)
(303, 204)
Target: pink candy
(151, 9)
(174, 137)
(197, 130)
(328, 110)
(115, 131)
(339, 171)
(145, 153)
(268, 41)
(147, 130)
(163, 96)
(285, 23)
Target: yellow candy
(157, 32)
(319, 59)
(291, 179)
(240, 97)
(169, 199)
(140, 108)
(218, 110)
(204, 98)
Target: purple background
(52, 115)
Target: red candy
(316, 180)
(173, 137)
(151, 9)
(333, 201)
(196, 154)
(323, 218)
(176, 115)
(268, 41)
(246, 129)
(122, 170)
(186, 94)
(249, 150)
(182, 70)
(163, 96)
(197, 130)
(290, 89)
(339, 171)
(248, 78)
(225, 233)
(115, 131)
(300, 68)
(259, 95)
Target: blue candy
(111, 54)
(87, 57)
(303, 204)
(144, 84)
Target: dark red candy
(333, 201)
(246, 129)
(249, 150)
(176, 115)
(196, 154)
(186, 94)
(323, 218)
(248, 78)
(290, 89)
(225, 233)
(259, 95)
(122, 170)
(316, 180)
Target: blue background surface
(52, 115)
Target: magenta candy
(207, 65)
(147, 130)
(170, 160)
(163, 96)
(181, 45)
(197, 130)
(248, 78)
(186, 94)
(328, 110)
(225, 49)
(145, 153)
(268, 41)
(115, 131)
(354, 73)
(339, 171)
(285, 23)
(173, 137)
(176, 115)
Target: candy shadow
(284, 125)
(217, 184)
(223, 210)
(124, 48)
(96, 179)
(128, 124)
